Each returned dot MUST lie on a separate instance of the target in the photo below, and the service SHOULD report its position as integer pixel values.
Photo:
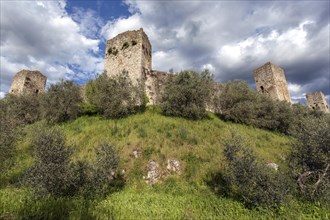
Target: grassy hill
(198, 145)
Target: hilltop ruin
(316, 101)
(270, 80)
(28, 82)
(131, 51)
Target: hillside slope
(197, 145)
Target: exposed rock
(135, 154)
(272, 166)
(153, 174)
(173, 165)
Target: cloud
(41, 35)
(236, 37)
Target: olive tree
(187, 94)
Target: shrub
(250, 180)
(51, 172)
(240, 104)
(23, 109)
(186, 95)
(104, 167)
(61, 102)
(100, 177)
(116, 96)
(7, 135)
(310, 158)
(15, 112)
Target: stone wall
(316, 101)
(155, 84)
(28, 82)
(129, 51)
(270, 80)
(213, 103)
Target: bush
(238, 103)
(100, 177)
(250, 180)
(186, 95)
(23, 109)
(15, 112)
(116, 96)
(310, 158)
(7, 136)
(61, 102)
(51, 172)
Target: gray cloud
(41, 35)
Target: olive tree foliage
(22, 109)
(51, 172)
(241, 104)
(54, 172)
(310, 158)
(7, 135)
(61, 102)
(15, 112)
(116, 96)
(102, 176)
(249, 179)
(187, 94)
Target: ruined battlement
(129, 51)
(28, 82)
(270, 80)
(317, 101)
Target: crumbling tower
(129, 51)
(270, 80)
(28, 82)
(316, 101)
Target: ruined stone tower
(316, 101)
(270, 80)
(28, 82)
(129, 51)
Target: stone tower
(270, 80)
(28, 82)
(316, 100)
(129, 51)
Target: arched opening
(262, 89)
(37, 92)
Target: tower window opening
(262, 89)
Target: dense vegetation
(83, 168)
(187, 94)
(116, 96)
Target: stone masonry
(28, 82)
(270, 80)
(129, 51)
(316, 101)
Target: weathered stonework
(270, 80)
(316, 101)
(155, 84)
(28, 82)
(213, 103)
(129, 51)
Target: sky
(66, 39)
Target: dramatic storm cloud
(233, 38)
(229, 38)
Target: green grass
(197, 145)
